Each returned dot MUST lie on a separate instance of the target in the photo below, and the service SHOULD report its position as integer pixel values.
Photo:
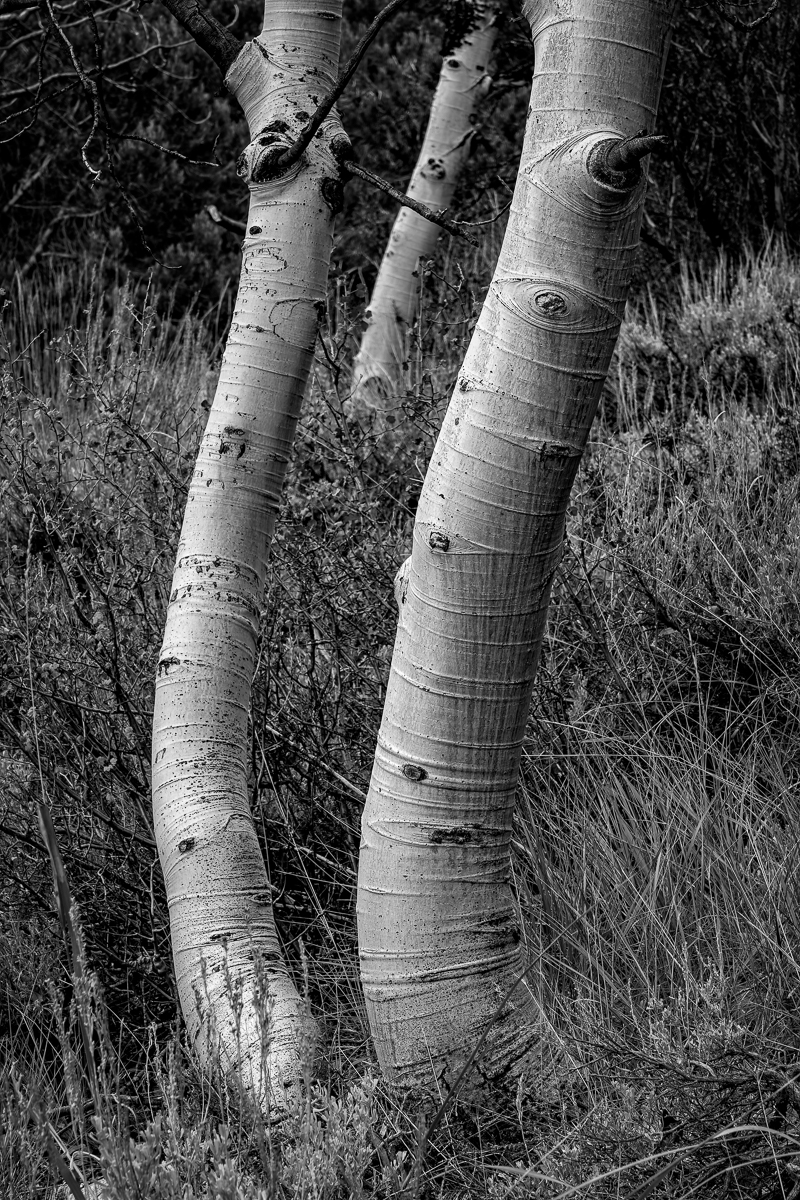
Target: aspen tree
(223, 933)
(463, 80)
(439, 942)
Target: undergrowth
(655, 847)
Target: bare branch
(293, 152)
(454, 227)
(624, 155)
(92, 71)
(218, 43)
(89, 86)
(229, 223)
(737, 22)
(616, 161)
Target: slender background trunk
(439, 941)
(223, 933)
(395, 298)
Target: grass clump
(655, 848)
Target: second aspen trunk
(445, 149)
(439, 941)
(239, 1003)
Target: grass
(655, 848)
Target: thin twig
(501, 212)
(737, 22)
(454, 227)
(89, 86)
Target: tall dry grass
(655, 848)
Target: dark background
(729, 106)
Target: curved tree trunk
(438, 938)
(445, 149)
(223, 933)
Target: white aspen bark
(219, 894)
(445, 149)
(438, 938)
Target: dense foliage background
(656, 846)
(161, 136)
